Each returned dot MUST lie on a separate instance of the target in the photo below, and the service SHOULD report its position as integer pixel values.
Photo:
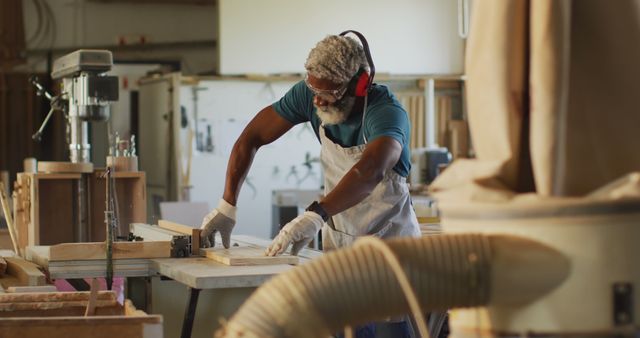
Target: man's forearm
(239, 164)
(354, 187)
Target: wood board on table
(97, 250)
(238, 254)
(65, 263)
(246, 254)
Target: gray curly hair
(336, 58)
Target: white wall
(257, 36)
(275, 36)
(81, 23)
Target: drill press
(86, 93)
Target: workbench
(197, 274)
(202, 273)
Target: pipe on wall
(357, 285)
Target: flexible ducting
(357, 285)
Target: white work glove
(221, 219)
(300, 231)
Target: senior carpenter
(364, 134)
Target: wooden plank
(61, 310)
(99, 270)
(195, 242)
(97, 327)
(177, 227)
(31, 289)
(459, 139)
(184, 229)
(64, 167)
(53, 305)
(22, 209)
(28, 273)
(56, 176)
(38, 254)
(86, 268)
(93, 297)
(97, 250)
(108, 296)
(246, 255)
(151, 233)
(305, 254)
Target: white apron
(386, 212)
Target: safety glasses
(327, 94)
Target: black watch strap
(318, 209)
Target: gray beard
(337, 112)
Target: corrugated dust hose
(357, 285)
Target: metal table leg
(190, 313)
(79, 284)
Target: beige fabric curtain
(553, 95)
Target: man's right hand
(222, 219)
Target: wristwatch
(318, 209)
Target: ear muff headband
(362, 81)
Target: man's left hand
(299, 232)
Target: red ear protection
(362, 81)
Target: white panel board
(228, 106)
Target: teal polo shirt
(385, 116)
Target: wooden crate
(61, 314)
(44, 206)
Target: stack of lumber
(82, 260)
(57, 304)
(63, 314)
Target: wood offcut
(184, 229)
(27, 273)
(246, 255)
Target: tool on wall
(308, 163)
(201, 142)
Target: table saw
(169, 285)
